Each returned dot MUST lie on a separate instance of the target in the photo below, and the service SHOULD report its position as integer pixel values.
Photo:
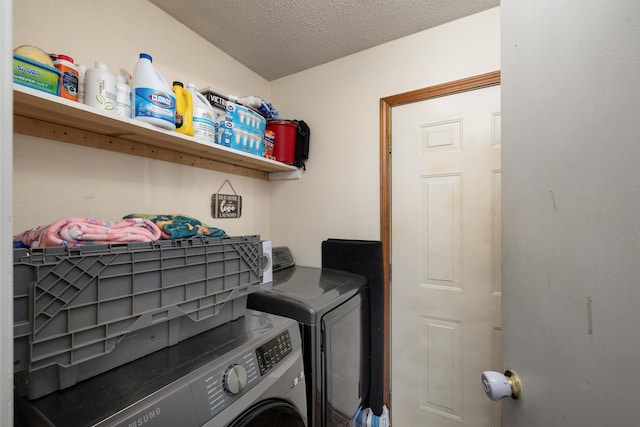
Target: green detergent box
(33, 74)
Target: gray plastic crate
(82, 311)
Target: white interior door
(446, 251)
(571, 211)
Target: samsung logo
(145, 418)
(161, 99)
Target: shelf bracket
(282, 176)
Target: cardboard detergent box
(30, 73)
(242, 129)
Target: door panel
(343, 366)
(446, 286)
(571, 211)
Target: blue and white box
(242, 129)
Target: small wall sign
(226, 205)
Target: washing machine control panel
(271, 353)
(221, 387)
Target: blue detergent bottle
(153, 98)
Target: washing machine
(331, 308)
(246, 373)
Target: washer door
(270, 413)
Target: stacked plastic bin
(82, 311)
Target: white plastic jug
(100, 88)
(152, 97)
(82, 72)
(204, 125)
(123, 97)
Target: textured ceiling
(281, 37)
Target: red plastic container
(284, 145)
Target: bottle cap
(62, 57)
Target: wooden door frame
(457, 86)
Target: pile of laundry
(74, 231)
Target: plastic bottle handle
(161, 77)
(180, 98)
(189, 98)
(202, 98)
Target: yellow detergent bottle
(184, 109)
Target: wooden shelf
(47, 116)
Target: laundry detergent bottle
(204, 125)
(100, 88)
(184, 109)
(123, 97)
(153, 100)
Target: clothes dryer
(332, 310)
(245, 373)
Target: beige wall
(338, 196)
(54, 180)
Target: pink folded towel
(72, 232)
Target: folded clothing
(72, 232)
(180, 226)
